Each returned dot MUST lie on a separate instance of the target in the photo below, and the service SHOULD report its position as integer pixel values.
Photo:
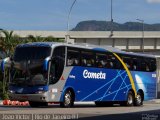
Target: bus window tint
(31, 53)
(144, 65)
(135, 66)
(87, 59)
(101, 60)
(73, 58)
(128, 62)
(152, 65)
(114, 62)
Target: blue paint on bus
(114, 87)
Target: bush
(5, 96)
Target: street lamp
(142, 21)
(70, 10)
(111, 19)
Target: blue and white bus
(48, 72)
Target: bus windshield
(31, 53)
(28, 65)
(29, 77)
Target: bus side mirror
(5, 63)
(46, 63)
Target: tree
(8, 42)
(53, 39)
(32, 38)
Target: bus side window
(147, 65)
(73, 57)
(152, 65)
(127, 60)
(144, 65)
(110, 63)
(135, 65)
(101, 60)
(87, 59)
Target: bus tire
(139, 99)
(130, 99)
(68, 100)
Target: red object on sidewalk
(6, 102)
(14, 103)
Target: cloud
(153, 1)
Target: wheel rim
(67, 99)
(130, 99)
(139, 98)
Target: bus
(49, 72)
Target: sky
(53, 14)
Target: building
(125, 40)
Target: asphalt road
(149, 111)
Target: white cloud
(153, 1)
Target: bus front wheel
(139, 99)
(68, 100)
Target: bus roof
(86, 46)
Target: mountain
(94, 25)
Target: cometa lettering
(93, 75)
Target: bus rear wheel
(68, 100)
(139, 99)
(130, 99)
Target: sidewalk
(154, 101)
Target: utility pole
(111, 18)
(67, 37)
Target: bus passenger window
(109, 64)
(147, 65)
(128, 62)
(87, 59)
(73, 58)
(143, 66)
(101, 60)
(134, 63)
(152, 65)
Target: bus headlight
(40, 92)
(11, 91)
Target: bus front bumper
(29, 97)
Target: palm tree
(7, 45)
(7, 41)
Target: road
(149, 111)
